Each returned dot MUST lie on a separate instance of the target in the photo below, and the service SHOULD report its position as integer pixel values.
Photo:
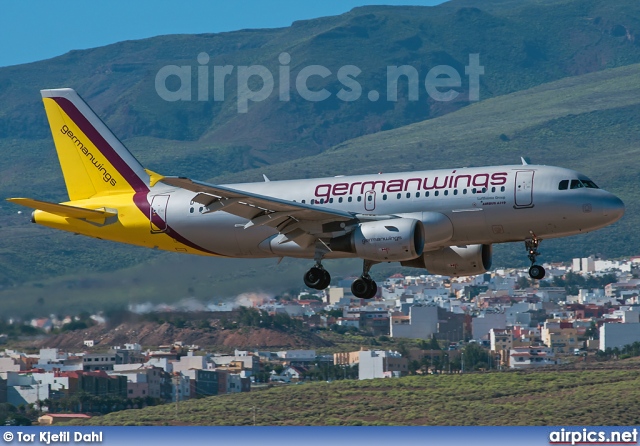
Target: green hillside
(521, 44)
(591, 398)
(551, 91)
(576, 122)
(588, 123)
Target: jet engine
(455, 261)
(392, 240)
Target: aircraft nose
(613, 208)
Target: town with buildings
(588, 308)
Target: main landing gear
(364, 286)
(317, 277)
(536, 271)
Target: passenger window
(564, 185)
(455, 192)
(417, 194)
(399, 196)
(340, 200)
(384, 197)
(408, 194)
(369, 198)
(360, 198)
(437, 193)
(304, 201)
(576, 184)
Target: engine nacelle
(455, 261)
(392, 240)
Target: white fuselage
(485, 205)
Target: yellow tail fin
(93, 160)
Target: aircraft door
(370, 200)
(158, 211)
(524, 189)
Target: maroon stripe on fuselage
(142, 202)
(139, 186)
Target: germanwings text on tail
(444, 221)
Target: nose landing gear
(536, 271)
(364, 286)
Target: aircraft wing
(297, 221)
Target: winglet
(524, 162)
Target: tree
(475, 357)
(414, 366)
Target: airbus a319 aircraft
(444, 221)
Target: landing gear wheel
(314, 277)
(317, 278)
(373, 291)
(364, 288)
(326, 280)
(360, 288)
(536, 272)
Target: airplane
(444, 221)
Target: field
(593, 397)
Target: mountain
(521, 44)
(588, 123)
(559, 87)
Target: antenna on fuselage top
(524, 162)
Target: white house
(531, 356)
(381, 364)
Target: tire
(326, 280)
(373, 290)
(313, 277)
(360, 288)
(536, 272)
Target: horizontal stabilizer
(62, 209)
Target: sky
(32, 30)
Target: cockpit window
(577, 184)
